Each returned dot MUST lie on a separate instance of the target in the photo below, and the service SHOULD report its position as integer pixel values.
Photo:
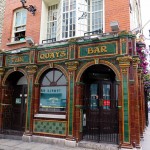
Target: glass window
(52, 22)
(69, 17)
(106, 96)
(94, 96)
(53, 92)
(20, 25)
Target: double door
(100, 116)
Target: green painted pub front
(76, 90)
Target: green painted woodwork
(30, 91)
(126, 109)
(32, 58)
(72, 54)
(1, 60)
(49, 127)
(71, 105)
(17, 59)
(123, 48)
(98, 49)
(51, 55)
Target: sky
(145, 12)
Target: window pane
(69, 11)
(52, 20)
(18, 18)
(53, 98)
(53, 92)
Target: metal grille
(102, 123)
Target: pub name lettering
(100, 49)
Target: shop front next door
(19, 107)
(100, 116)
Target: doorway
(15, 99)
(100, 113)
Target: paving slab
(145, 142)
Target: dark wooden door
(19, 107)
(101, 112)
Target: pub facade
(89, 90)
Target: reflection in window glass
(69, 17)
(94, 96)
(53, 92)
(52, 21)
(20, 25)
(106, 96)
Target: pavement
(145, 142)
(9, 144)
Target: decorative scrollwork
(72, 65)
(31, 69)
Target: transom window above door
(53, 92)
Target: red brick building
(69, 71)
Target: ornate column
(79, 110)
(124, 63)
(72, 67)
(140, 100)
(135, 106)
(36, 97)
(143, 104)
(31, 70)
(1, 97)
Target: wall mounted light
(114, 26)
(30, 8)
(29, 40)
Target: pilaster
(1, 97)
(124, 63)
(31, 70)
(140, 101)
(79, 110)
(72, 67)
(135, 105)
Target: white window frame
(15, 26)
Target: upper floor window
(19, 25)
(70, 18)
(52, 22)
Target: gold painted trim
(40, 72)
(18, 55)
(98, 54)
(53, 50)
(103, 62)
(11, 71)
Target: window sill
(52, 116)
(16, 42)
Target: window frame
(14, 30)
(66, 85)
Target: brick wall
(115, 10)
(32, 26)
(2, 9)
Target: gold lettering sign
(17, 59)
(95, 50)
(53, 55)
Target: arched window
(53, 92)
